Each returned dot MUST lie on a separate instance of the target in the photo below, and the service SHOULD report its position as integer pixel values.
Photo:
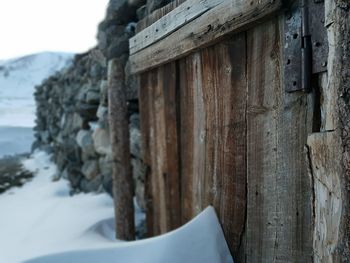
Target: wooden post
(119, 128)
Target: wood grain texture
(338, 87)
(228, 17)
(123, 187)
(324, 150)
(279, 215)
(170, 22)
(145, 104)
(212, 97)
(232, 138)
(186, 136)
(172, 173)
(157, 14)
(160, 147)
(224, 92)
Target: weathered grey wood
(157, 14)
(172, 173)
(291, 216)
(167, 24)
(324, 150)
(123, 187)
(156, 152)
(158, 101)
(145, 125)
(279, 215)
(338, 116)
(228, 17)
(186, 136)
(213, 134)
(223, 92)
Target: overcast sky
(30, 26)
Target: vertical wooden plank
(155, 154)
(324, 150)
(224, 95)
(159, 135)
(123, 184)
(172, 174)
(186, 136)
(263, 101)
(147, 137)
(278, 211)
(159, 156)
(213, 134)
(144, 103)
(199, 137)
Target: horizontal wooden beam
(166, 25)
(228, 17)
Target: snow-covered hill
(18, 78)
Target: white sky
(30, 26)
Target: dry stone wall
(72, 106)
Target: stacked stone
(67, 124)
(72, 106)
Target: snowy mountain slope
(18, 78)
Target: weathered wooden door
(219, 128)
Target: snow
(43, 223)
(15, 140)
(201, 240)
(18, 77)
(42, 218)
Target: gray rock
(104, 93)
(64, 174)
(74, 175)
(105, 163)
(141, 12)
(107, 184)
(139, 172)
(131, 82)
(45, 136)
(102, 112)
(90, 169)
(86, 143)
(141, 230)
(136, 3)
(96, 71)
(87, 111)
(70, 123)
(101, 140)
(135, 136)
(84, 138)
(119, 46)
(97, 56)
(120, 12)
(94, 185)
(92, 97)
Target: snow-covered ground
(15, 140)
(18, 77)
(42, 219)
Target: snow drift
(42, 222)
(201, 240)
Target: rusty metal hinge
(305, 44)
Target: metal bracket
(305, 49)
